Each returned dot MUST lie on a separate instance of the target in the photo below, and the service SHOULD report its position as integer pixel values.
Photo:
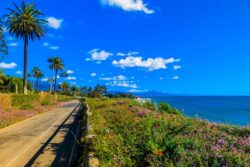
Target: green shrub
(26, 107)
(150, 105)
(123, 138)
(62, 98)
(164, 107)
(25, 100)
(47, 100)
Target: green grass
(21, 101)
(128, 134)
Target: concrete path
(44, 140)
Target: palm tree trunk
(25, 64)
(16, 88)
(55, 82)
(50, 89)
(37, 84)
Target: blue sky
(186, 47)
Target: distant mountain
(153, 93)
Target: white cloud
(175, 78)
(129, 5)
(54, 22)
(115, 78)
(54, 47)
(7, 66)
(13, 44)
(70, 72)
(56, 77)
(161, 78)
(151, 63)
(45, 44)
(99, 55)
(128, 54)
(45, 79)
(19, 72)
(176, 67)
(119, 81)
(93, 74)
(71, 78)
(126, 84)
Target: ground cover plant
(128, 134)
(14, 108)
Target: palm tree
(75, 89)
(65, 87)
(38, 74)
(50, 80)
(15, 82)
(3, 46)
(25, 23)
(56, 64)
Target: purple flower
(215, 148)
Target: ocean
(229, 110)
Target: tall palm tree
(25, 22)
(3, 46)
(50, 80)
(38, 74)
(56, 64)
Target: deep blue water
(229, 110)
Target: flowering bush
(128, 135)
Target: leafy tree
(90, 92)
(75, 89)
(38, 74)
(25, 22)
(56, 64)
(84, 91)
(1, 77)
(65, 87)
(16, 83)
(99, 90)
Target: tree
(25, 22)
(84, 91)
(75, 89)
(3, 46)
(56, 64)
(1, 77)
(65, 87)
(50, 80)
(16, 83)
(38, 74)
(100, 89)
